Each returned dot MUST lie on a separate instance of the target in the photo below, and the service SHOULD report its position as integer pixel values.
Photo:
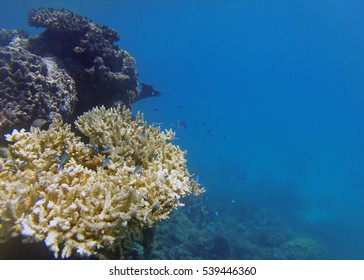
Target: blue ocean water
(271, 94)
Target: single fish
(4, 152)
(181, 125)
(59, 167)
(22, 163)
(155, 157)
(106, 162)
(38, 172)
(137, 168)
(62, 161)
(38, 123)
(105, 150)
(55, 156)
(63, 158)
(36, 200)
(165, 177)
(198, 179)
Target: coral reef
(32, 87)
(240, 231)
(88, 52)
(87, 197)
(300, 248)
(73, 58)
(6, 36)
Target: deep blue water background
(270, 91)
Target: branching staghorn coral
(82, 197)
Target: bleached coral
(82, 197)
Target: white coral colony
(78, 203)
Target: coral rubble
(85, 197)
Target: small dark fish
(22, 163)
(38, 172)
(165, 177)
(155, 110)
(198, 179)
(59, 167)
(106, 162)
(20, 198)
(63, 158)
(155, 157)
(55, 156)
(181, 125)
(36, 200)
(157, 206)
(189, 211)
(137, 168)
(105, 150)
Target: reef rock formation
(31, 87)
(73, 58)
(88, 52)
(79, 197)
(6, 36)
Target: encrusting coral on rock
(72, 60)
(32, 87)
(83, 197)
